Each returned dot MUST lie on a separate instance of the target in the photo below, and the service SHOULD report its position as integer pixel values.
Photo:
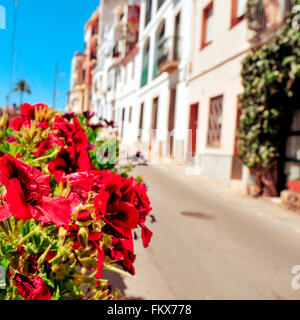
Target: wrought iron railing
(267, 15)
(169, 50)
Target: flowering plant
(62, 219)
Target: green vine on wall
(271, 80)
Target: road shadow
(117, 281)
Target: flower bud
(3, 120)
(83, 236)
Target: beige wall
(215, 70)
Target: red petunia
(28, 110)
(120, 219)
(17, 123)
(123, 252)
(75, 157)
(27, 191)
(32, 288)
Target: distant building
(76, 93)
(79, 96)
(115, 42)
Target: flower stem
(2, 225)
(29, 235)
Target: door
(154, 120)
(193, 126)
(171, 124)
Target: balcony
(168, 57)
(265, 17)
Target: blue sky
(47, 31)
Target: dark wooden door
(193, 126)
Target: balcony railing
(266, 16)
(169, 54)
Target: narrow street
(205, 247)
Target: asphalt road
(205, 247)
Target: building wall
(161, 85)
(215, 70)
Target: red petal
(16, 201)
(55, 210)
(100, 203)
(146, 235)
(4, 213)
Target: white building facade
(163, 60)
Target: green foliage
(271, 76)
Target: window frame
(205, 11)
(234, 18)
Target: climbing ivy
(270, 76)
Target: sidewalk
(267, 208)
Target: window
(159, 41)
(207, 25)
(215, 122)
(145, 66)
(177, 36)
(148, 11)
(238, 11)
(154, 117)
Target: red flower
(46, 145)
(43, 124)
(28, 111)
(83, 216)
(17, 123)
(142, 204)
(75, 157)
(4, 213)
(27, 191)
(123, 252)
(136, 195)
(32, 288)
(120, 219)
